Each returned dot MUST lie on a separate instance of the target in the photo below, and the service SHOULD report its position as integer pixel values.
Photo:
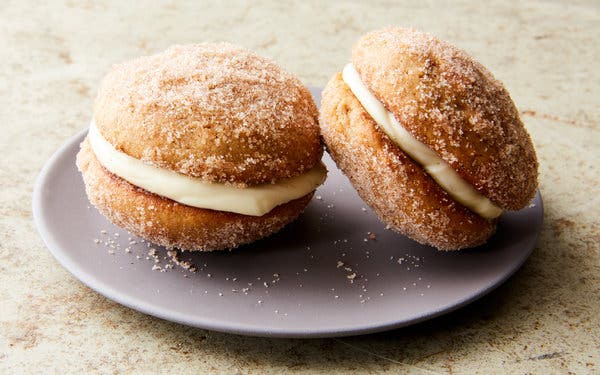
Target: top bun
(212, 111)
(455, 106)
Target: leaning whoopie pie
(428, 137)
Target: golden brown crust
(212, 111)
(398, 189)
(167, 223)
(454, 105)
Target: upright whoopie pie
(428, 137)
(202, 147)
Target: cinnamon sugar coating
(455, 106)
(400, 192)
(212, 111)
(167, 223)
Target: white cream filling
(459, 189)
(254, 200)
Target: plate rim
(147, 308)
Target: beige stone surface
(546, 319)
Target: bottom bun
(400, 192)
(171, 224)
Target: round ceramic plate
(335, 271)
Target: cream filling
(254, 200)
(459, 189)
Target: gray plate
(321, 276)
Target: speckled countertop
(546, 319)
